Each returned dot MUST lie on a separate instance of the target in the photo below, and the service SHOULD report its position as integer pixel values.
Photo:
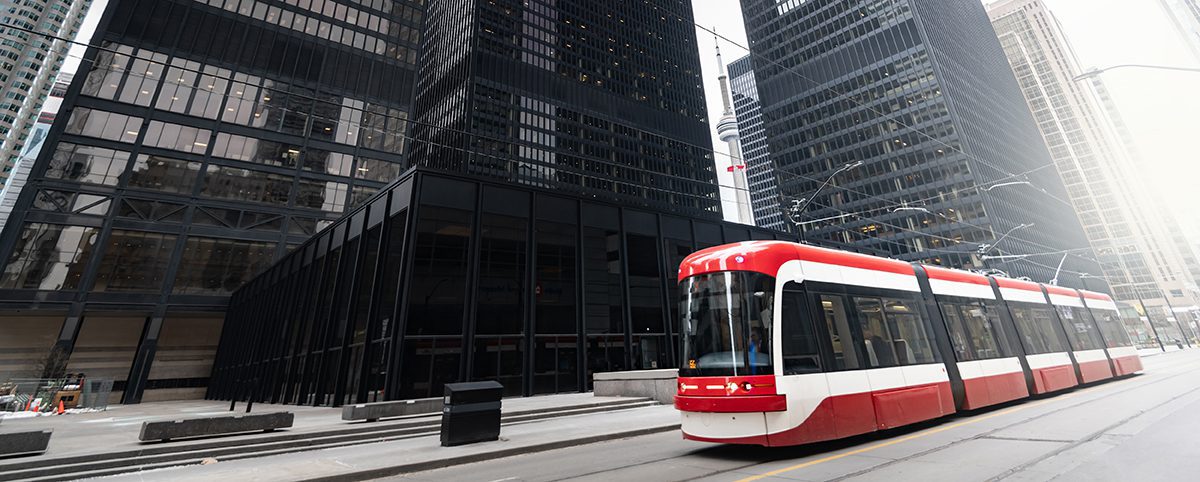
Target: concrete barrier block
(375, 411)
(199, 427)
(24, 443)
(658, 385)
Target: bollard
(471, 413)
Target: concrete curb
(485, 456)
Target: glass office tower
(921, 92)
(199, 142)
(760, 174)
(598, 98)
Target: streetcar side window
(801, 351)
(979, 336)
(910, 338)
(1080, 331)
(1112, 327)
(876, 336)
(833, 308)
(959, 339)
(1035, 326)
(893, 332)
(992, 310)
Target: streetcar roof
(768, 256)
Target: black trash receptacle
(471, 413)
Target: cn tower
(727, 131)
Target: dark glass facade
(603, 99)
(760, 173)
(199, 143)
(442, 278)
(921, 92)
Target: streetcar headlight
(746, 386)
(733, 386)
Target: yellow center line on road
(910, 437)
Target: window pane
(105, 348)
(439, 271)
(556, 276)
(844, 353)
(877, 336)
(135, 261)
(87, 164)
(219, 266)
(959, 338)
(801, 353)
(184, 356)
(501, 275)
(164, 174)
(49, 257)
(602, 273)
(910, 339)
(645, 284)
(982, 338)
(245, 185)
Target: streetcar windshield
(727, 324)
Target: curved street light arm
(1094, 72)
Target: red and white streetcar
(786, 344)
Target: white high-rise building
(34, 39)
(37, 136)
(1127, 227)
(1185, 17)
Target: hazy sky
(1160, 107)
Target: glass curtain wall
(439, 279)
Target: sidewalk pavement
(116, 430)
(383, 459)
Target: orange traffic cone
(60, 407)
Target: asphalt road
(1146, 427)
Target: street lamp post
(1095, 72)
(1186, 338)
(1152, 327)
(796, 212)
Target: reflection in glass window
(103, 80)
(49, 257)
(177, 137)
(223, 182)
(70, 202)
(327, 196)
(334, 163)
(104, 125)
(134, 261)
(142, 80)
(361, 194)
(164, 174)
(87, 164)
(219, 266)
(377, 170)
(258, 151)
